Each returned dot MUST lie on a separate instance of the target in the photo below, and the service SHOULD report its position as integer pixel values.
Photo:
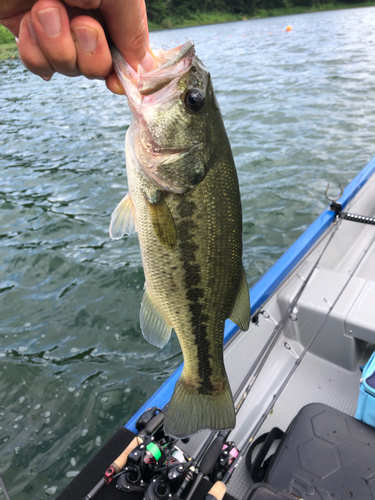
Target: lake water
(299, 109)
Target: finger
(113, 84)
(125, 22)
(30, 52)
(12, 23)
(52, 27)
(84, 4)
(94, 58)
(12, 8)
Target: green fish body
(184, 202)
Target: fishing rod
(264, 353)
(298, 361)
(267, 349)
(2, 486)
(263, 356)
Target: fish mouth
(158, 156)
(172, 64)
(156, 150)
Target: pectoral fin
(241, 310)
(162, 222)
(122, 219)
(155, 327)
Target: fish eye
(194, 100)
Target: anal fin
(155, 328)
(240, 314)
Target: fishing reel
(165, 483)
(227, 456)
(140, 467)
(153, 467)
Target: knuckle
(91, 74)
(36, 66)
(138, 40)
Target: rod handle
(121, 460)
(212, 454)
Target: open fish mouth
(171, 64)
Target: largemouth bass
(184, 202)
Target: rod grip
(212, 454)
(121, 460)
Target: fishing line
(254, 431)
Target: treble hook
(334, 199)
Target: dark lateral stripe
(194, 293)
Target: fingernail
(47, 78)
(86, 39)
(148, 63)
(50, 20)
(30, 27)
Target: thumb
(126, 21)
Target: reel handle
(153, 424)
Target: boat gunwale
(269, 282)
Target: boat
(312, 328)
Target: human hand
(69, 36)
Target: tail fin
(190, 411)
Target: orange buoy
(288, 28)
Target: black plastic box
(325, 455)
